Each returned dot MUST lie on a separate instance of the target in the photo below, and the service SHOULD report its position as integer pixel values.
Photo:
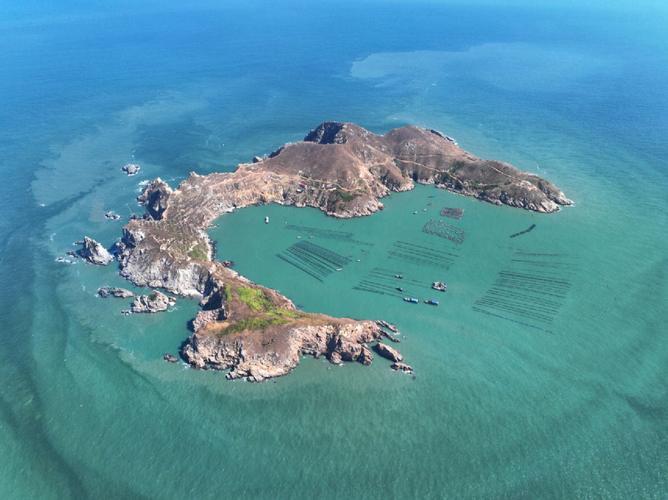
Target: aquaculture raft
(314, 260)
(452, 213)
(444, 230)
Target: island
(344, 170)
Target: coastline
(339, 168)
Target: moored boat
(412, 300)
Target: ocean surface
(542, 374)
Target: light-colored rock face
(155, 302)
(389, 352)
(94, 252)
(341, 169)
(276, 352)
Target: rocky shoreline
(254, 332)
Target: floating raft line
(374, 284)
(372, 290)
(314, 260)
(424, 256)
(328, 234)
(535, 254)
(436, 251)
(530, 291)
(301, 268)
(527, 230)
(379, 273)
(483, 311)
(423, 261)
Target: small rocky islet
(252, 331)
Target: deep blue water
(577, 94)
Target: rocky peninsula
(340, 168)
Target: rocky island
(340, 168)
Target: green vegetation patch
(264, 313)
(274, 318)
(198, 253)
(255, 298)
(345, 195)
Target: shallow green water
(538, 376)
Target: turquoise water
(520, 391)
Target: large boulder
(389, 352)
(94, 252)
(131, 169)
(402, 367)
(112, 291)
(155, 302)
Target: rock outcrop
(275, 351)
(94, 252)
(402, 367)
(111, 291)
(131, 169)
(155, 302)
(388, 352)
(154, 198)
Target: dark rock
(154, 198)
(110, 291)
(327, 133)
(384, 324)
(388, 352)
(94, 252)
(402, 367)
(335, 358)
(365, 357)
(131, 169)
(390, 337)
(170, 358)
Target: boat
(399, 276)
(266, 220)
(440, 286)
(400, 289)
(431, 302)
(412, 300)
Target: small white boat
(266, 220)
